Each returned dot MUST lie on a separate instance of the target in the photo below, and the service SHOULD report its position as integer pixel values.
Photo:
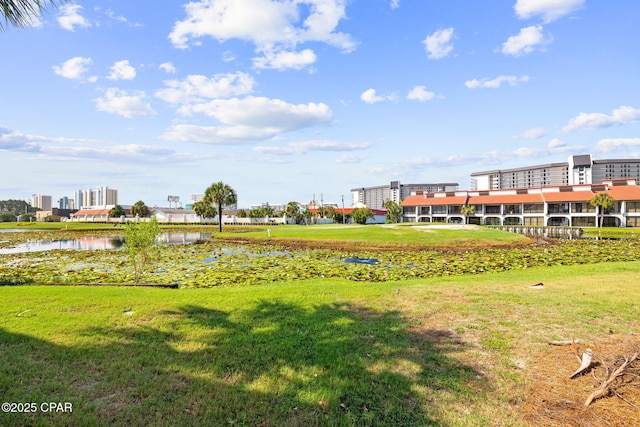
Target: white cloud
(550, 10)
(59, 148)
(420, 93)
(395, 4)
(274, 26)
(285, 60)
(121, 70)
(167, 67)
(349, 158)
(533, 133)
(228, 56)
(614, 144)
(197, 88)
(297, 148)
(370, 97)
(73, 68)
(557, 144)
(261, 112)
(111, 14)
(248, 120)
(116, 101)
(439, 43)
(496, 83)
(230, 135)
(620, 115)
(527, 41)
(493, 157)
(69, 17)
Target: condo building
(560, 205)
(100, 197)
(375, 197)
(580, 169)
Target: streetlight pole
(343, 209)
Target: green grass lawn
(441, 351)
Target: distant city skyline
(282, 100)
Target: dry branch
(586, 362)
(606, 386)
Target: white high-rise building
(100, 197)
(40, 201)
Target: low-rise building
(565, 205)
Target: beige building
(576, 170)
(375, 197)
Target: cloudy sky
(282, 99)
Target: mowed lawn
(446, 351)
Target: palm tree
(140, 209)
(220, 194)
(292, 210)
(603, 202)
(116, 212)
(467, 211)
(205, 210)
(20, 13)
(394, 211)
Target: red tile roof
(580, 193)
(499, 199)
(624, 192)
(92, 212)
(568, 196)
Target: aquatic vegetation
(209, 264)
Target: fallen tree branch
(604, 388)
(550, 342)
(586, 362)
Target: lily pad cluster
(227, 264)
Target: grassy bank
(446, 351)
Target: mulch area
(554, 399)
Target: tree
(467, 211)
(15, 206)
(361, 215)
(394, 211)
(220, 194)
(307, 215)
(141, 240)
(140, 209)
(20, 13)
(242, 213)
(292, 210)
(203, 209)
(603, 202)
(116, 212)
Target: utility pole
(343, 209)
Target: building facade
(580, 169)
(40, 201)
(375, 197)
(566, 205)
(95, 198)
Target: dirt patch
(555, 400)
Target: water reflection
(99, 243)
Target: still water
(99, 243)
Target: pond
(99, 243)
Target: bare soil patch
(554, 399)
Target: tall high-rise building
(41, 201)
(98, 197)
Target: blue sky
(282, 99)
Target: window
(530, 208)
